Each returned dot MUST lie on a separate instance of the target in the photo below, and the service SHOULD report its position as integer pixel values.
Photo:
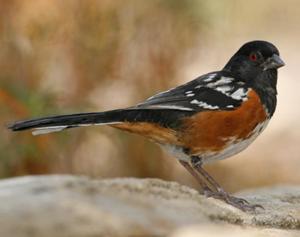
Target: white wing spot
(210, 77)
(239, 94)
(204, 105)
(169, 107)
(188, 92)
(195, 102)
(189, 95)
(224, 89)
(221, 81)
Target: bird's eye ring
(253, 57)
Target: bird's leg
(197, 165)
(196, 175)
(219, 192)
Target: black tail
(164, 117)
(58, 123)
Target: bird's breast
(220, 134)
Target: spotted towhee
(212, 117)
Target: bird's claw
(239, 203)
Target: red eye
(253, 57)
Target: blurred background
(59, 57)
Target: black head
(256, 64)
(254, 58)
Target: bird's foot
(239, 203)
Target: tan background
(60, 57)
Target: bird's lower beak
(273, 62)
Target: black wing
(212, 91)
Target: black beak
(273, 62)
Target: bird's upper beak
(273, 62)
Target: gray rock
(78, 206)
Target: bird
(210, 118)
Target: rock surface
(77, 206)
